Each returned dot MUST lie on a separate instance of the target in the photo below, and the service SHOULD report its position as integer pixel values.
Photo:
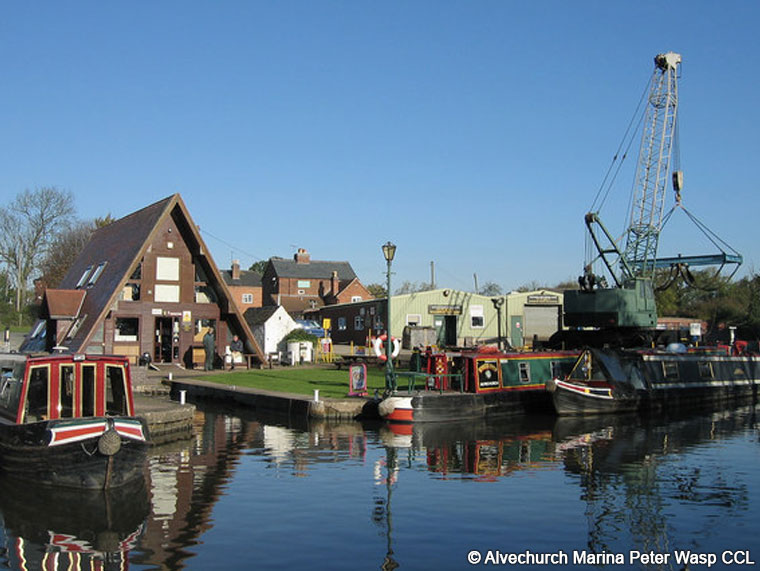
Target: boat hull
(431, 406)
(86, 453)
(655, 381)
(572, 399)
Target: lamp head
(389, 250)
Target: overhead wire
(236, 248)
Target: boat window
(88, 390)
(524, 372)
(705, 369)
(10, 393)
(37, 396)
(116, 394)
(670, 370)
(66, 391)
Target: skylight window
(96, 274)
(83, 279)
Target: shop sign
(445, 309)
(543, 299)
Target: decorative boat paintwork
(68, 420)
(616, 380)
(480, 383)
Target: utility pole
(432, 275)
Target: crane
(627, 306)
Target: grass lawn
(331, 383)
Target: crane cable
(615, 166)
(625, 142)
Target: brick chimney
(334, 283)
(302, 256)
(235, 269)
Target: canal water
(261, 492)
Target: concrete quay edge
(288, 403)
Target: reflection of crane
(629, 305)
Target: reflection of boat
(477, 384)
(606, 380)
(614, 443)
(68, 420)
(52, 528)
(480, 448)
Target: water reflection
(245, 480)
(53, 528)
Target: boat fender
(109, 442)
(386, 407)
(378, 346)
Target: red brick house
(144, 284)
(244, 285)
(303, 284)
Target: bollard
(182, 396)
(316, 395)
(170, 376)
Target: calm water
(263, 492)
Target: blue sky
(474, 134)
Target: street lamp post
(497, 303)
(389, 250)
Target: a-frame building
(145, 284)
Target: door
(541, 322)
(451, 330)
(167, 340)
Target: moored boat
(478, 383)
(618, 380)
(68, 420)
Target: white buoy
(182, 396)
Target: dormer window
(83, 279)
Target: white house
(269, 326)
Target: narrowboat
(479, 383)
(618, 380)
(68, 420)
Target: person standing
(209, 344)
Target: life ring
(377, 345)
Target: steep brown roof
(113, 252)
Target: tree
(532, 286)
(491, 289)
(64, 249)
(412, 287)
(28, 227)
(378, 291)
(259, 267)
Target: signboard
(488, 374)
(445, 309)
(357, 380)
(326, 323)
(543, 299)
(695, 329)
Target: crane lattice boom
(653, 169)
